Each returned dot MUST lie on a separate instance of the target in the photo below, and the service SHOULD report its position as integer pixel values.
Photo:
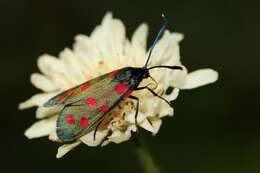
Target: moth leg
(106, 137)
(137, 107)
(96, 128)
(154, 93)
(156, 83)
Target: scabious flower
(107, 49)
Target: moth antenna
(159, 34)
(175, 67)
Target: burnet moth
(86, 105)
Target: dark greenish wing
(74, 121)
(83, 90)
(82, 116)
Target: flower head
(107, 49)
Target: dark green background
(215, 128)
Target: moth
(86, 105)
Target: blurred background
(215, 128)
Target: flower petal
(54, 68)
(121, 136)
(88, 139)
(41, 128)
(199, 78)
(36, 100)
(165, 110)
(73, 65)
(85, 48)
(167, 49)
(149, 106)
(130, 117)
(156, 125)
(137, 48)
(173, 95)
(179, 78)
(53, 136)
(147, 125)
(106, 142)
(42, 82)
(43, 112)
(64, 149)
(110, 37)
(49, 64)
(61, 82)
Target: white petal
(165, 110)
(53, 136)
(49, 64)
(85, 48)
(130, 117)
(156, 125)
(73, 65)
(137, 48)
(178, 37)
(150, 106)
(61, 82)
(147, 126)
(41, 128)
(120, 136)
(42, 82)
(166, 52)
(199, 78)
(106, 142)
(84, 45)
(88, 139)
(36, 100)
(64, 149)
(167, 49)
(172, 96)
(110, 37)
(55, 69)
(43, 112)
(139, 37)
(179, 78)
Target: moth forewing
(78, 92)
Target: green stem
(145, 157)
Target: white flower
(107, 49)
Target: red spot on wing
(91, 102)
(112, 73)
(61, 99)
(69, 92)
(120, 88)
(128, 92)
(84, 122)
(70, 119)
(84, 87)
(105, 108)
